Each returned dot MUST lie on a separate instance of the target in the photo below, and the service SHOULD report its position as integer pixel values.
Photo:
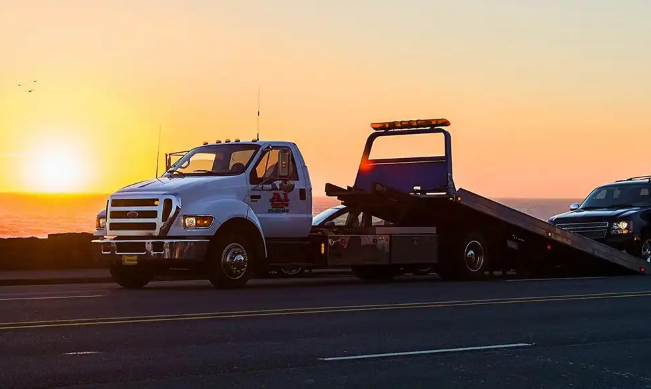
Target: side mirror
(284, 164)
(287, 186)
(574, 206)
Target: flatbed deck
(394, 206)
(420, 191)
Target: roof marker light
(407, 124)
(227, 140)
(205, 143)
(218, 141)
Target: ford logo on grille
(132, 214)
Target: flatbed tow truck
(227, 211)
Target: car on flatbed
(345, 216)
(617, 214)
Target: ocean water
(25, 215)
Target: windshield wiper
(211, 172)
(177, 172)
(621, 206)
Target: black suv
(616, 214)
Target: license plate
(129, 260)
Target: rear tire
(467, 259)
(230, 261)
(130, 277)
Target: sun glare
(55, 169)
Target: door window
(340, 221)
(376, 221)
(267, 168)
(348, 219)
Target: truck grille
(592, 230)
(138, 216)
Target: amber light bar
(407, 124)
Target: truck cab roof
(257, 142)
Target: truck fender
(240, 212)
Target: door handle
(256, 197)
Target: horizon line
(322, 196)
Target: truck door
(281, 214)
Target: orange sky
(545, 101)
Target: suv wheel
(646, 249)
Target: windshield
(221, 160)
(318, 219)
(614, 196)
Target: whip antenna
(257, 137)
(158, 150)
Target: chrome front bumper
(149, 249)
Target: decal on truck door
(279, 203)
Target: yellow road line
(306, 311)
(289, 310)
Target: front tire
(130, 277)
(230, 261)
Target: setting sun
(55, 168)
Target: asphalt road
(336, 333)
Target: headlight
(192, 222)
(100, 223)
(622, 227)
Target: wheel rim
(234, 261)
(291, 271)
(474, 255)
(646, 250)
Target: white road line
(556, 279)
(82, 353)
(439, 351)
(51, 297)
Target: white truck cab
(223, 199)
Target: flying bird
(31, 86)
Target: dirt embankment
(58, 251)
